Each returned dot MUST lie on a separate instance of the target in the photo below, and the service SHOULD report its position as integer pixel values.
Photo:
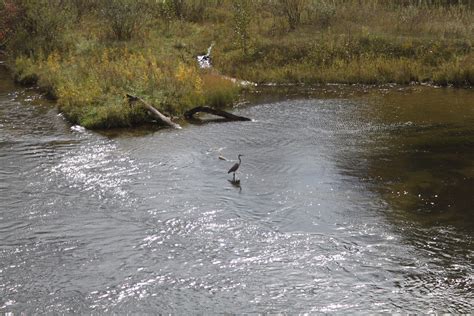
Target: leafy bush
(9, 12)
(292, 9)
(125, 18)
(194, 11)
(39, 27)
(84, 7)
(25, 71)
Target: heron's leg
(234, 176)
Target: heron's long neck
(239, 160)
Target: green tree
(242, 11)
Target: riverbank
(89, 55)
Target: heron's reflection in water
(236, 183)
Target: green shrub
(124, 18)
(40, 27)
(25, 71)
(242, 10)
(292, 10)
(9, 12)
(111, 116)
(84, 7)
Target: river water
(351, 200)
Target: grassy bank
(371, 42)
(89, 54)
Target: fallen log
(153, 111)
(228, 116)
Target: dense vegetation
(88, 54)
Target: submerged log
(228, 116)
(153, 111)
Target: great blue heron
(235, 166)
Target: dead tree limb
(228, 116)
(153, 111)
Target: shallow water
(350, 200)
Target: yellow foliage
(182, 73)
(53, 61)
(187, 75)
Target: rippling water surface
(348, 202)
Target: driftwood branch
(153, 111)
(228, 116)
